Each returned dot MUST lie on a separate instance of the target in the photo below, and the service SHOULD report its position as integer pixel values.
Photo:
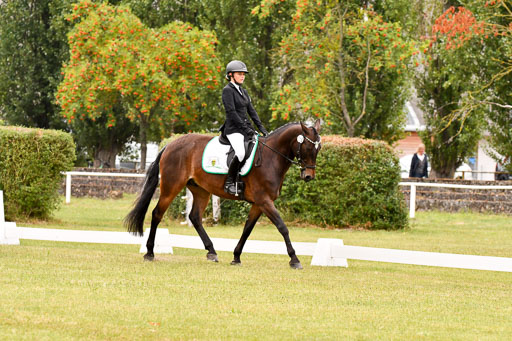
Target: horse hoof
(212, 257)
(296, 266)
(237, 263)
(148, 257)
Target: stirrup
(235, 188)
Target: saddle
(218, 155)
(248, 145)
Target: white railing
(413, 185)
(412, 199)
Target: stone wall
(459, 199)
(103, 186)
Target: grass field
(64, 291)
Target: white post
(68, 187)
(216, 208)
(412, 203)
(190, 201)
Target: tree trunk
(105, 157)
(444, 173)
(143, 141)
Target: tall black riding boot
(230, 184)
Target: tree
(346, 64)
(31, 54)
(488, 27)
(442, 85)
(156, 75)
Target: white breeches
(237, 142)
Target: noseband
(299, 162)
(300, 140)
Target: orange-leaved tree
(488, 26)
(157, 76)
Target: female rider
(237, 127)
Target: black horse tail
(134, 221)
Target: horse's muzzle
(307, 175)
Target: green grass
(64, 291)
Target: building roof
(415, 120)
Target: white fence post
(68, 187)
(412, 203)
(216, 208)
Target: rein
(300, 140)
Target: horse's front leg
(254, 215)
(271, 212)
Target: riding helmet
(235, 66)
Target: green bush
(356, 185)
(31, 162)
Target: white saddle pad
(215, 157)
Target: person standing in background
(419, 163)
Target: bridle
(300, 139)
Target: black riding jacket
(237, 106)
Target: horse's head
(307, 146)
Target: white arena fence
(413, 185)
(325, 252)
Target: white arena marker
(324, 255)
(162, 241)
(449, 260)
(9, 233)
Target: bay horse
(179, 165)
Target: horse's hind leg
(254, 215)
(201, 198)
(167, 195)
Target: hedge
(31, 162)
(356, 185)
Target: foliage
(345, 64)
(31, 162)
(488, 27)
(157, 75)
(240, 36)
(442, 85)
(356, 185)
(31, 52)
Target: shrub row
(356, 186)
(31, 162)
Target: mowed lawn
(63, 291)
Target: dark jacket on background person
(419, 169)
(237, 107)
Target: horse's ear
(304, 128)
(317, 126)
